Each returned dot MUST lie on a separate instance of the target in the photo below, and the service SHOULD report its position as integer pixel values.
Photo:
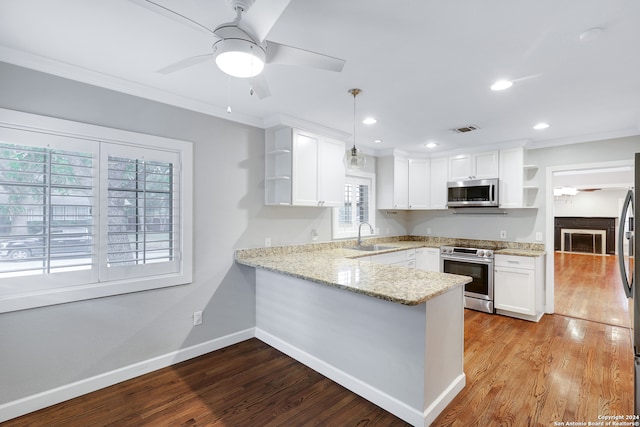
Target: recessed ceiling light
(541, 126)
(501, 85)
(377, 141)
(431, 145)
(369, 121)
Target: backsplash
(430, 241)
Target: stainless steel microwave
(472, 193)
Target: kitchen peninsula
(390, 334)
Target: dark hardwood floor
(519, 373)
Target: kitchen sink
(371, 248)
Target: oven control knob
(480, 253)
(488, 254)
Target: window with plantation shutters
(47, 199)
(88, 212)
(142, 211)
(358, 206)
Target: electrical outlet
(314, 234)
(503, 234)
(267, 242)
(538, 236)
(197, 318)
(429, 230)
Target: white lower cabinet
(399, 258)
(519, 286)
(428, 259)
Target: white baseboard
(444, 399)
(530, 318)
(47, 398)
(407, 413)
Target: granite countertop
(357, 274)
(334, 264)
(520, 252)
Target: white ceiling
(425, 66)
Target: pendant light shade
(354, 159)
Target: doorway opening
(583, 206)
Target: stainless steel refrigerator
(627, 248)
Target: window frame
(350, 177)
(102, 137)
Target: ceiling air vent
(465, 129)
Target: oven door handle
(469, 260)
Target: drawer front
(513, 261)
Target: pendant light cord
(354, 119)
(354, 92)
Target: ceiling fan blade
(259, 86)
(171, 14)
(282, 54)
(262, 16)
(185, 63)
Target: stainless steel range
(476, 263)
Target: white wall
(602, 203)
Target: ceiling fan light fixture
(239, 58)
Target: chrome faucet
(359, 231)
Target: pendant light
(354, 159)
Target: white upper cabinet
(392, 182)
(419, 187)
(438, 183)
(303, 169)
(512, 191)
(411, 183)
(331, 172)
(473, 166)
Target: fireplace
(585, 234)
(587, 241)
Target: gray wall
(49, 347)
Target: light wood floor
(589, 287)
(518, 374)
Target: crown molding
(83, 75)
(584, 138)
(278, 120)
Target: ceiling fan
(240, 47)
